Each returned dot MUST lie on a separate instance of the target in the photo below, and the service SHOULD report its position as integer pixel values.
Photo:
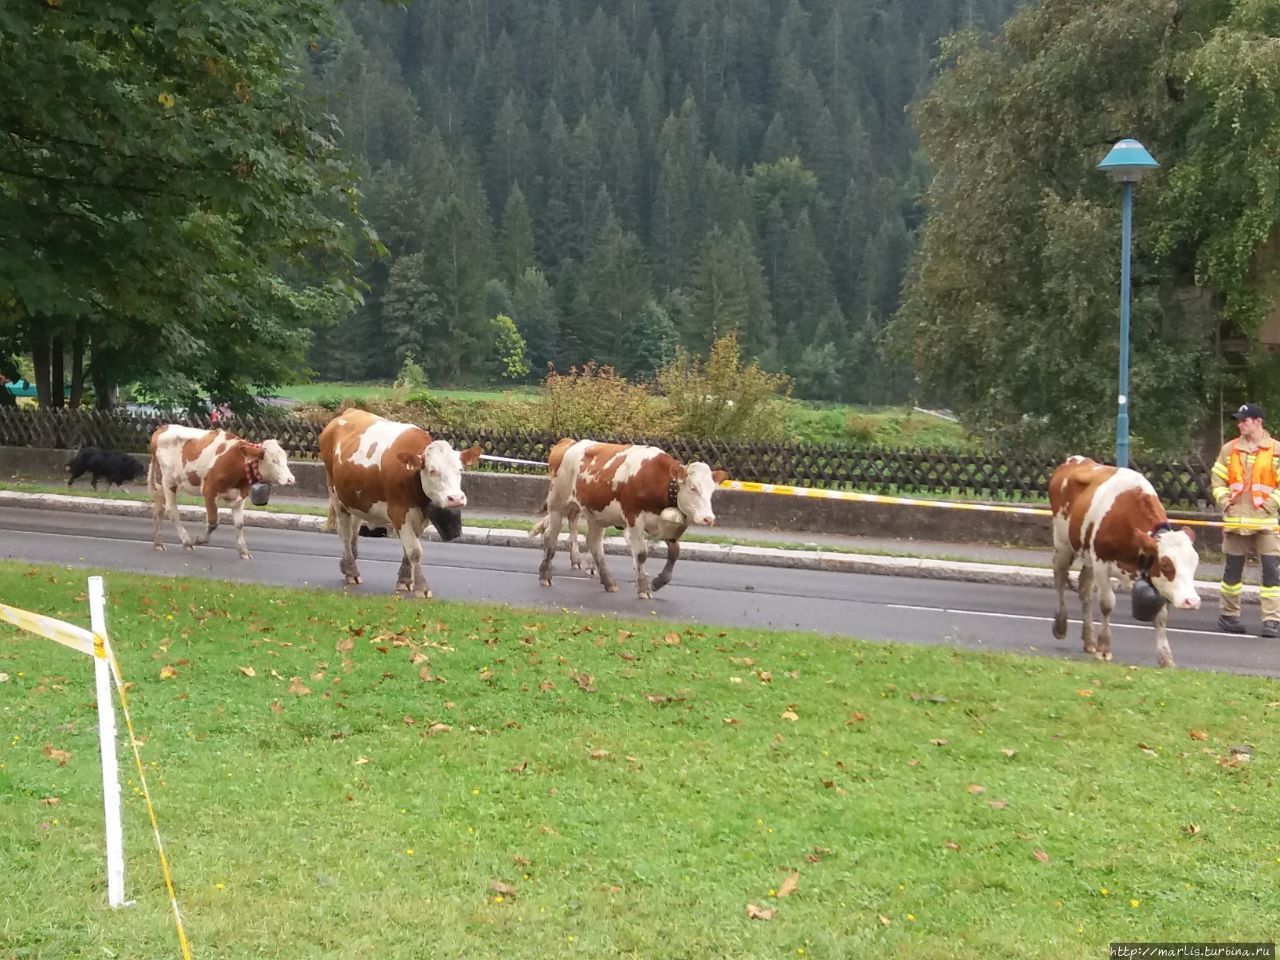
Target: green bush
(724, 397)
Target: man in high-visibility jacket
(1244, 485)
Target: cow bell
(1147, 601)
(259, 493)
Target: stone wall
(510, 495)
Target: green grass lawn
(315, 392)
(370, 777)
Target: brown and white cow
(641, 490)
(393, 475)
(1112, 518)
(215, 465)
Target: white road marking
(1115, 625)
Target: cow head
(1173, 566)
(439, 469)
(695, 484)
(270, 461)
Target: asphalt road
(899, 609)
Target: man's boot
(1228, 624)
(1270, 629)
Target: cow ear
(719, 476)
(678, 472)
(251, 451)
(470, 456)
(1147, 543)
(413, 462)
(1190, 532)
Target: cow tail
(331, 521)
(539, 528)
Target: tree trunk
(40, 359)
(77, 367)
(57, 373)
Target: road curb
(835, 562)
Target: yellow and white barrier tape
(820, 493)
(151, 810)
(87, 642)
(69, 635)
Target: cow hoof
(610, 588)
(1090, 649)
(355, 580)
(1059, 628)
(189, 546)
(1165, 662)
(246, 556)
(1107, 656)
(545, 581)
(157, 546)
(403, 585)
(645, 596)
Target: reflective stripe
(1269, 592)
(1219, 470)
(1231, 589)
(1262, 472)
(1255, 523)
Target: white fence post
(107, 741)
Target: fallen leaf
(672, 639)
(58, 756)
(598, 754)
(939, 741)
(951, 845)
(345, 645)
(585, 682)
(277, 707)
(790, 714)
(50, 801)
(1086, 692)
(1009, 753)
(1197, 735)
(759, 913)
(437, 728)
(884, 920)
(789, 885)
(168, 673)
(296, 687)
(4, 678)
(1191, 829)
(249, 671)
(997, 804)
(856, 718)
(520, 861)
(520, 767)
(409, 721)
(1042, 856)
(502, 889)
(546, 686)
(765, 676)
(975, 788)
(361, 761)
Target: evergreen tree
(515, 242)
(649, 344)
(534, 310)
(615, 280)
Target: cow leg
(550, 539)
(571, 514)
(1063, 558)
(673, 554)
(159, 509)
(639, 553)
(211, 518)
(1107, 603)
(348, 531)
(413, 557)
(595, 545)
(171, 507)
(237, 519)
(1164, 656)
(1087, 577)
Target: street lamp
(1127, 161)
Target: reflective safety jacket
(1244, 485)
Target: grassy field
(814, 422)
(366, 777)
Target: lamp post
(1126, 162)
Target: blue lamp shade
(1127, 161)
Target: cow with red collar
(1112, 518)
(641, 490)
(215, 465)
(391, 476)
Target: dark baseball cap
(1249, 411)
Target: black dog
(111, 465)
(448, 524)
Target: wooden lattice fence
(939, 473)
